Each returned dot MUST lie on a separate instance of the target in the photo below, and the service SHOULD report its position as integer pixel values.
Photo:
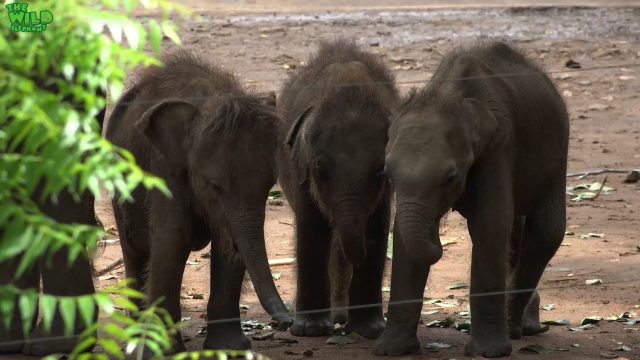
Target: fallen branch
(114, 265)
(604, 181)
(583, 174)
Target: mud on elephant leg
(223, 314)
(407, 288)
(313, 317)
(543, 234)
(12, 340)
(366, 284)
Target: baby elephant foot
(489, 348)
(312, 325)
(281, 321)
(369, 327)
(396, 343)
(219, 338)
(340, 316)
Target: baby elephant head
(223, 151)
(339, 149)
(430, 152)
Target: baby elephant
(337, 110)
(487, 137)
(214, 144)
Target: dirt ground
(605, 133)
(605, 119)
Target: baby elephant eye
(451, 178)
(213, 185)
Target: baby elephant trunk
(248, 234)
(420, 237)
(351, 223)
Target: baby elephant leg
(223, 312)
(531, 317)
(543, 234)
(365, 295)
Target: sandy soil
(605, 121)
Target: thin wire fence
(421, 300)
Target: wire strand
(325, 310)
(407, 82)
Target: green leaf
(28, 302)
(7, 303)
(84, 345)
(87, 309)
(126, 304)
(340, 340)
(115, 331)
(130, 5)
(111, 347)
(37, 249)
(155, 34)
(48, 307)
(131, 293)
(15, 240)
(67, 308)
(534, 349)
(169, 29)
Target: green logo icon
(23, 20)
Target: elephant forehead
(420, 164)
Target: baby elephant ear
(295, 127)
(269, 98)
(166, 125)
(484, 126)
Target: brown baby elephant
(337, 111)
(487, 137)
(214, 144)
